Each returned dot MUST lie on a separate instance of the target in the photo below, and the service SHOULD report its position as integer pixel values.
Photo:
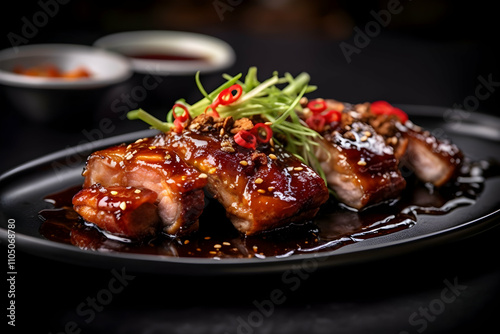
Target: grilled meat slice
(179, 187)
(360, 168)
(122, 211)
(260, 189)
(432, 160)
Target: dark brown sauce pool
(335, 226)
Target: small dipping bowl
(55, 100)
(165, 63)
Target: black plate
(23, 189)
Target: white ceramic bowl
(49, 100)
(212, 53)
(105, 67)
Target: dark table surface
(450, 288)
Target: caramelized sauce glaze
(335, 225)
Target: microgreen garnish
(249, 97)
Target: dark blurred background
(430, 53)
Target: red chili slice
(211, 110)
(224, 98)
(381, 107)
(262, 132)
(227, 97)
(317, 106)
(316, 122)
(403, 117)
(178, 126)
(332, 116)
(385, 108)
(184, 116)
(246, 139)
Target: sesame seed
(271, 142)
(268, 123)
(298, 168)
(152, 147)
(261, 191)
(186, 242)
(207, 238)
(225, 243)
(123, 205)
(213, 252)
(137, 191)
(202, 176)
(255, 248)
(272, 156)
(270, 188)
(243, 163)
(217, 246)
(222, 132)
(362, 163)
(364, 138)
(212, 170)
(367, 133)
(289, 169)
(228, 149)
(114, 192)
(259, 180)
(129, 146)
(349, 135)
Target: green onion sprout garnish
(279, 106)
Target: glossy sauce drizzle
(335, 225)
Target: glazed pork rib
(361, 169)
(121, 211)
(141, 165)
(364, 151)
(432, 160)
(260, 189)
